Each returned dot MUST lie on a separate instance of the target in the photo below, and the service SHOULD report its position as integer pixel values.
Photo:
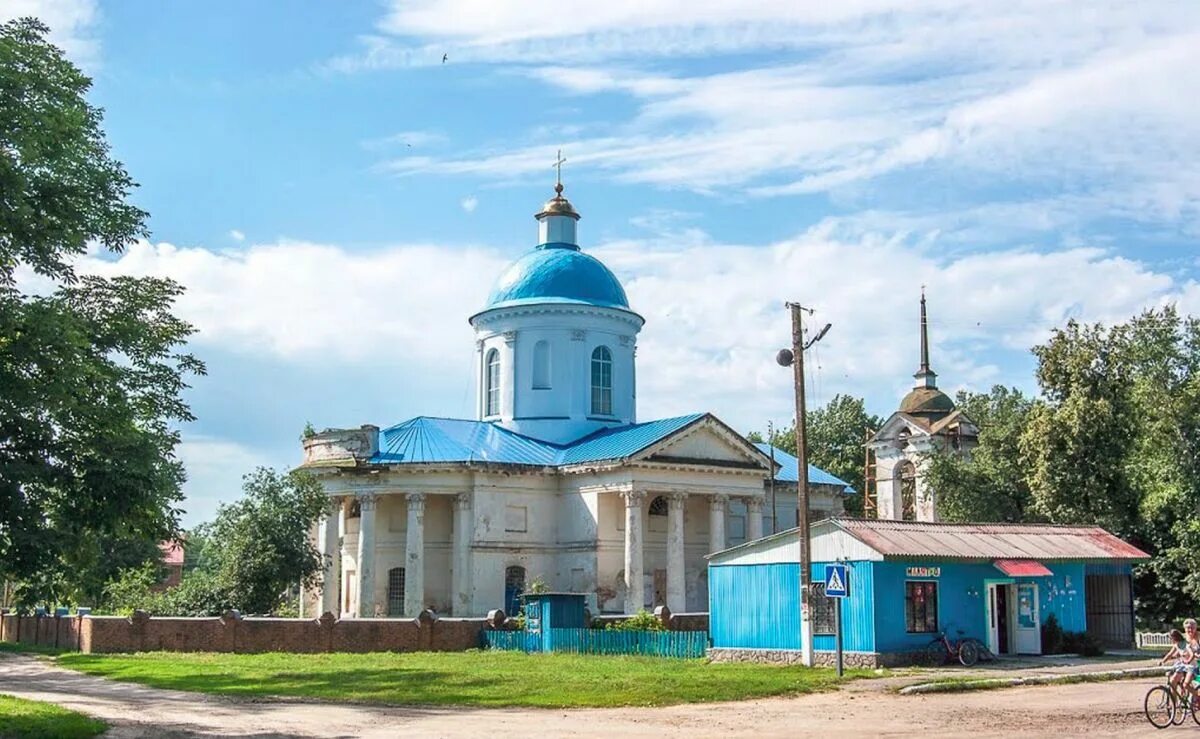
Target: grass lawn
(22, 719)
(476, 678)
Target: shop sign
(923, 572)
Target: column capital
(717, 502)
(462, 501)
(415, 500)
(633, 497)
(367, 501)
(754, 504)
(676, 498)
(510, 337)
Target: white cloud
(469, 203)
(214, 468)
(237, 235)
(1094, 102)
(715, 311)
(71, 23)
(313, 302)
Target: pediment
(708, 442)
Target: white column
(676, 577)
(460, 575)
(509, 376)
(414, 557)
(716, 522)
(366, 555)
(635, 596)
(331, 553)
(754, 522)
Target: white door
(993, 634)
(1028, 624)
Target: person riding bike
(1184, 668)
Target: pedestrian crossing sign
(836, 585)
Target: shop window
(920, 607)
(821, 610)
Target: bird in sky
(445, 57)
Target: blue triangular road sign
(835, 581)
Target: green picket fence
(680, 644)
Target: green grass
(16, 648)
(23, 719)
(475, 678)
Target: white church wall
(562, 412)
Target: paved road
(1100, 709)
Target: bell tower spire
(926, 377)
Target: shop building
(911, 580)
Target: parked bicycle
(966, 650)
(1167, 705)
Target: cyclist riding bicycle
(1185, 650)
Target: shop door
(1029, 626)
(998, 619)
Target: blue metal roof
(557, 273)
(789, 469)
(623, 441)
(425, 440)
(438, 440)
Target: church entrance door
(660, 588)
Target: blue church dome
(557, 273)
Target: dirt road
(1101, 709)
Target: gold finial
(558, 163)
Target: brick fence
(232, 633)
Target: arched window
(602, 381)
(658, 506)
(514, 586)
(395, 591)
(906, 475)
(492, 384)
(541, 365)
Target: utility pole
(771, 482)
(795, 358)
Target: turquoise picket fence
(681, 644)
(513, 641)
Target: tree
(90, 368)
(836, 435)
(989, 483)
(259, 546)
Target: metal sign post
(837, 587)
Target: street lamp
(794, 358)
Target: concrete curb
(1011, 682)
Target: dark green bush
(1052, 636)
(1082, 643)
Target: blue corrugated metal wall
(754, 606)
(758, 607)
(858, 623)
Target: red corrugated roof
(1022, 568)
(988, 540)
(172, 552)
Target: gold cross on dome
(558, 163)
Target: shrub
(1082, 643)
(643, 620)
(1052, 636)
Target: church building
(927, 422)
(555, 480)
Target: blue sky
(337, 200)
